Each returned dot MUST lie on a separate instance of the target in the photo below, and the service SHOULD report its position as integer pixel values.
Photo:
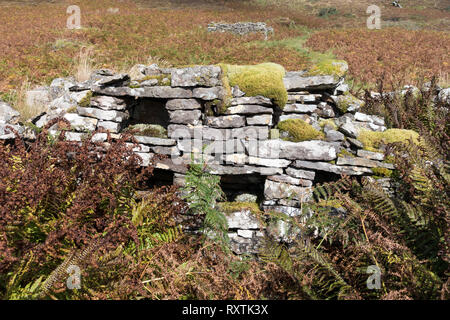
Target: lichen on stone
(345, 101)
(373, 140)
(264, 79)
(229, 207)
(163, 79)
(86, 101)
(298, 130)
(345, 153)
(330, 122)
(149, 130)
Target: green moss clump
(373, 140)
(229, 207)
(86, 101)
(329, 122)
(299, 130)
(382, 172)
(345, 101)
(333, 67)
(264, 79)
(345, 153)
(148, 130)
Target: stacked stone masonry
(241, 141)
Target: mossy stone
(229, 207)
(149, 130)
(373, 140)
(333, 67)
(264, 79)
(86, 101)
(298, 130)
(346, 100)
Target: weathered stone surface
(293, 82)
(352, 170)
(162, 92)
(264, 149)
(63, 83)
(369, 118)
(231, 170)
(74, 136)
(290, 211)
(300, 108)
(363, 162)
(8, 114)
(155, 141)
(170, 151)
(310, 150)
(108, 103)
(110, 126)
(288, 179)
(111, 115)
(243, 219)
(232, 121)
(110, 80)
(303, 117)
(247, 234)
(183, 104)
(236, 92)
(277, 190)
(259, 100)
(246, 197)
(265, 119)
(444, 95)
(283, 231)
(80, 123)
(38, 98)
(301, 174)
(205, 76)
(355, 142)
(321, 166)
(350, 129)
(240, 245)
(191, 117)
(260, 133)
(238, 159)
(302, 98)
(276, 163)
(6, 131)
(138, 147)
(325, 110)
(208, 93)
(371, 155)
(145, 157)
(248, 109)
(333, 135)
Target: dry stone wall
(241, 143)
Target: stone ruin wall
(242, 145)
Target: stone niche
(243, 188)
(149, 111)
